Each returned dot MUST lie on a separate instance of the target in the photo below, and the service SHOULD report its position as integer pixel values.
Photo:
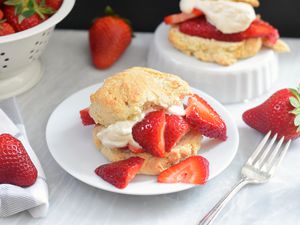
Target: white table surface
(67, 70)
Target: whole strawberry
(279, 114)
(5, 28)
(109, 37)
(54, 4)
(23, 15)
(15, 165)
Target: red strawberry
(149, 133)
(120, 173)
(200, 27)
(23, 15)
(15, 165)
(134, 149)
(109, 37)
(6, 28)
(86, 119)
(176, 128)
(193, 170)
(202, 117)
(181, 17)
(54, 4)
(1, 14)
(279, 113)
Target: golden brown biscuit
(126, 94)
(223, 53)
(188, 146)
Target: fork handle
(212, 214)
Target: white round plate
(70, 143)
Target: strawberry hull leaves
(23, 15)
(295, 102)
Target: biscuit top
(125, 95)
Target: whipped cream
(176, 110)
(119, 134)
(228, 17)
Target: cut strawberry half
(258, 29)
(135, 150)
(176, 128)
(193, 170)
(181, 17)
(202, 117)
(149, 133)
(120, 173)
(86, 119)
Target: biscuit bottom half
(221, 52)
(189, 145)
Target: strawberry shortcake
(221, 31)
(152, 121)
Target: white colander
(20, 67)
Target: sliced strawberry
(262, 29)
(201, 28)
(120, 173)
(135, 150)
(193, 170)
(176, 128)
(149, 133)
(181, 17)
(86, 119)
(202, 117)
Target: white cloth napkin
(14, 199)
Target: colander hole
(7, 59)
(2, 53)
(44, 34)
(36, 43)
(5, 66)
(32, 51)
(36, 51)
(41, 43)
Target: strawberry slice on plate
(149, 133)
(181, 17)
(86, 119)
(120, 173)
(202, 117)
(176, 128)
(193, 170)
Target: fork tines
(267, 157)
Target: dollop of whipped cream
(176, 110)
(119, 134)
(228, 17)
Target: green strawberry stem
(110, 12)
(25, 9)
(295, 102)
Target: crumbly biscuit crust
(209, 50)
(127, 94)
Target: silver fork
(259, 168)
